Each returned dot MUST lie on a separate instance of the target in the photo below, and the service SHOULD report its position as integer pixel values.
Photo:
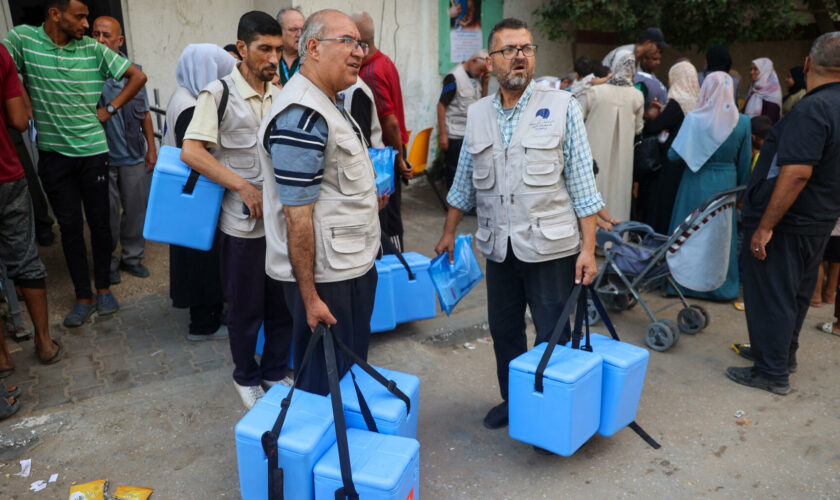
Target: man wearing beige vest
(252, 297)
(465, 84)
(527, 169)
(321, 213)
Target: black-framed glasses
(348, 42)
(510, 52)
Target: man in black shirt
(791, 205)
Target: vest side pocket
(554, 232)
(542, 159)
(484, 174)
(541, 174)
(351, 168)
(345, 242)
(485, 238)
(351, 178)
(244, 166)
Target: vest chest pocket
(484, 173)
(553, 232)
(351, 168)
(345, 243)
(244, 166)
(542, 160)
(237, 139)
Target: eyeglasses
(510, 52)
(348, 42)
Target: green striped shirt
(64, 84)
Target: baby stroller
(695, 255)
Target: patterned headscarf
(765, 88)
(682, 78)
(623, 69)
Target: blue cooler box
(415, 297)
(388, 411)
(175, 217)
(624, 376)
(307, 434)
(568, 411)
(383, 467)
(383, 317)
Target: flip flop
(6, 409)
(739, 306)
(6, 393)
(56, 357)
(828, 327)
(816, 304)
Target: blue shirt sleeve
(580, 179)
(297, 141)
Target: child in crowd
(827, 281)
(761, 126)
(603, 219)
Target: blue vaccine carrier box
(177, 217)
(383, 467)
(307, 434)
(383, 317)
(416, 298)
(623, 378)
(388, 411)
(568, 411)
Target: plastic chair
(419, 153)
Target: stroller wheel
(673, 327)
(690, 320)
(592, 313)
(703, 312)
(659, 336)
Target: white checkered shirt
(577, 170)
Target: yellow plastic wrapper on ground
(94, 490)
(132, 493)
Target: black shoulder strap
(389, 248)
(189, 187)
(555, 337)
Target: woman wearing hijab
(795, 82)
(719, 59)
(765, 94)
(613, 116)
(715, 143)
(658, 192)
(194, 279)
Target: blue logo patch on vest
(543, 112)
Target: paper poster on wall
(464, 26)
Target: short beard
(508, 82)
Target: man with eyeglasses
(527, 169)
(291, 22)
(321, 222)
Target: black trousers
(777, 294)
(71, 183)
(451, 160)
(351, 303)
(253, 299)
(511, 285)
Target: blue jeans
(511, 285)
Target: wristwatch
(110, 109)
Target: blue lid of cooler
(565, 365)
(615, 353)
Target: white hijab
(682, 78)
(765, 88)
(200, 64)
(623, 69)
(710, 124)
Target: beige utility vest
(345, 218)
(467, 92)
(521, 193)
(236, 149)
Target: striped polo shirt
(64, 84)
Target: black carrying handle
(555, 337)
(389, 246)
(189, 187)
(348, 490)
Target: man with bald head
(380, 74)
(321, 225)
(131, 156)
(291, 22)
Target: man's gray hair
(282, 11)
(481, 54)
(314, 27)
(825, 51)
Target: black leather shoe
(497, 417)
(138, 270)
(750, 377)
(745, 351)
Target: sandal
(56, 357)
(828, 327)
(5, 392)
(8, 409)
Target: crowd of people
(297, 100)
